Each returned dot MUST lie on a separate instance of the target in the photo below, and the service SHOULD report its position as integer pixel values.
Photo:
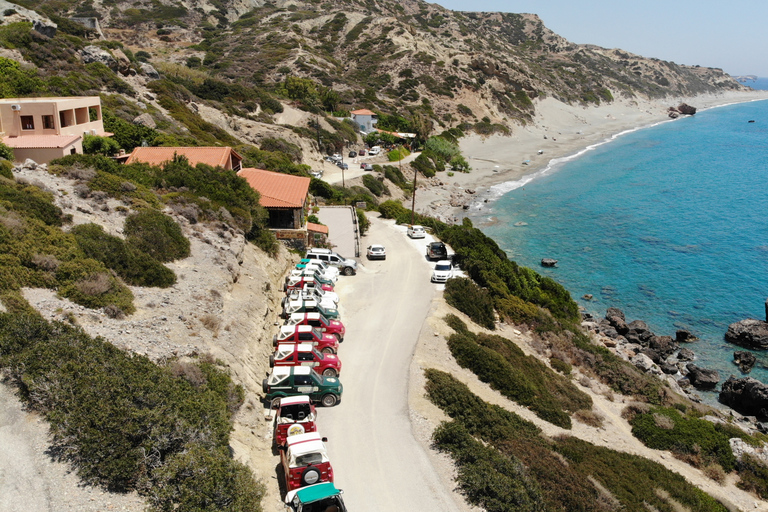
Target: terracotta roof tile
(40, 141)
(213, 156)
(277, 190)
(317, 228)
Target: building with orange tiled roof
(224, 157)
(365, 119)
(43, 129)
(285, 197)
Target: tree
(302, 89)
(330, 99)
(6, 152)
(95, 145)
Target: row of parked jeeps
(305, 370)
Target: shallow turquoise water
(668, 223)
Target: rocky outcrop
(686, 109)
(749, 333)
(10, 12)
(148, 70)
(683, 336)
(93, 53)
(145, 119)
(702, 378)
(744, 360)
(746, 395)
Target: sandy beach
(558, 131)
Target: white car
(416, 231)
(375, 150)
(443, 271)
(376, 252)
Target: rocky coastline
(672, 360)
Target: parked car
(367, 167)
(305, 461)
(294, 295)
(315, 498)
(311, 305)
(361, 152)
(342, 165)
(314, 272)
(298, 282)
(314, 292)
(294, 415)
(346, 266)
(375, 150)
(301, 380)
(415, 231)
(328, 271)
(325, 343)
(316, 319)
(305, 354)
(376, 252)
(443, 271)
(316, 174)
(335, 157)
(437, 251)
(352, 154)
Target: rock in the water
(548, 262)
(686, 354)
(744, 360)
(746, 395)
(749, 333)
(683, 336)
(702, 378)
(615, 312)
(663, 345)
(669, 369)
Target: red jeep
(299, 282)
(305, 461)
(325, 343)
(295, 415)
(305, 354)
(317, 319)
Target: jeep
(301, 380)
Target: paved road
(376, 459)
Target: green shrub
(30, 201)
(136, 267)
(203, 479)
(470, 299)
(563, 468)
(93, 144)
(362, 221)
(6, 169)
(560, 366)
(695, 440)
(375, 186)
(156, 234)
(89, 283)
(6, 153)
(126, 423)
(487, 478)
(753, 476)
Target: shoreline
(558, 133)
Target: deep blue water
(668, 223)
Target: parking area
(342, 233)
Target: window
(306, 356)
(48, 123)
(302, 380)
(27, 123)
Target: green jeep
(301, 380)
(315, 498)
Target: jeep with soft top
(310, 305)
(305, 354)
(322, 497)
(294, 415)
(316, 319)
(325, 343)
(301, 380)
(305, 461)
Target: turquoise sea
(668, 223)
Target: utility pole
(413, 197)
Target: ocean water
(668, 223)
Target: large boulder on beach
(639, 330)
(749, 333)
(611, 312)
(746, 395)
(686, 109)
(701, 378)
(663, 345)
(744, 360)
